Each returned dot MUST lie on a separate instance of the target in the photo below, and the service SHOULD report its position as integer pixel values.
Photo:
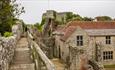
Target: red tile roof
(68, 32)
(93, 24)
(71, 26)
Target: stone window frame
(79, 40)
(107, 55)
(108, 40)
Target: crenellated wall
(7, 46)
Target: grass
(109, 66)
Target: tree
(88, 19)
(9, 12)
(103, 18)
(77, 17)
(38, 26)
(71, 16)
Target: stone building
(58, 16)
(93, 41)
(52, 20)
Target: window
(107, 55)
(108, 40)
(79, 40)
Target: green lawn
(109, 66)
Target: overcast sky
(91, 8)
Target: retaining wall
(7, 46)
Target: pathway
(22, 59)
(58, 64)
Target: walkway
(58, 64)
(22, 59)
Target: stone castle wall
(7, 47)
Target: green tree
(88, 19)
(103, 18)
(77, 17)
(9, 12)
(71, 16)
(38, 26)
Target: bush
(7, 34)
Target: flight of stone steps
(22, 59)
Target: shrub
(7, 34)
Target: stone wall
(58, 16)
(73, 54)
(107, 47)
(7, 46)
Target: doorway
(59, 52)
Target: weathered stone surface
(41, 60)
(22, 59)
(23, 67)
(59, 65)
(7, 47)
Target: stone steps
(22, 60)
(22, 43)
(22, 67)
(22, 56)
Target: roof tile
(71, 26)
